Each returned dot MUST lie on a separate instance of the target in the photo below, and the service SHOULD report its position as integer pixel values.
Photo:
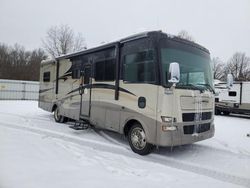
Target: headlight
(167, 119)
(168, 128)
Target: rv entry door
(85, 91)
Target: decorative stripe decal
(65, 76)
(44, 90)
(65, 98)
(104, 86)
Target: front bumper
(185, 133)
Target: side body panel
(66, 100)
(223, 93)
(131, 111)
(238, 103)
(245, 92)
(47, 88)
(104, 110)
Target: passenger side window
(87, 74)
(46, 76)
(76, 74)
(105, 70)
(76, 69)
(105, 65)
(139, 67)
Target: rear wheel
(217, 112)
(58, 118)
(137, 140)
(226, 113)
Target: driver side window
(139, 67)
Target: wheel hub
(138, 138)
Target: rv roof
(137, 36)
(48, 61)
(131, 38)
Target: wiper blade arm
(209, 87)
(191, 86)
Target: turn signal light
(168, 128)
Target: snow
(37, 152)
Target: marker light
(168, 128)
(167, 119)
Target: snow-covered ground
(36, 152)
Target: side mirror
(230, 80)
(174, 73)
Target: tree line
(19, 64)
(238, 65)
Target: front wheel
(217, 112)
(137, 140)
(58, 118)
(226, 113)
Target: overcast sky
(222, 26)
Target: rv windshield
(195, 68)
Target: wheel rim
(138, 138)
(56, 114)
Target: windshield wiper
(210, 88)
(191, 86)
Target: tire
(217, 112)
(65, 120)
(58, 118)
(226, 113)
(137, 140)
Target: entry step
(80, 125)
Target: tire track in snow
(40, 118)
(199, 147)
(190, 167)
(110, 139)
(115, 147)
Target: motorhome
(232, 100)
(155, 88)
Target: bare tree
(4, 59)
(61, 40)
(35, 58)
(18, 64)
(218, 68)
(239, 66)
(185, 35)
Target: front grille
(196, 116)
(190, 129)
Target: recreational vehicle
(235, 99)
(155, 88)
